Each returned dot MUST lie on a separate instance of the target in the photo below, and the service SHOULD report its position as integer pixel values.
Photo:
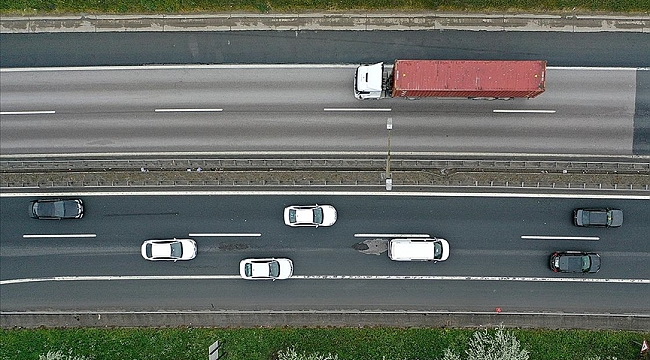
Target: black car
(575, 262)
(598, 217)
(56, 209)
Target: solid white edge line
(327, 193)
(592, 68)
(357, 109)
(241, 312)
(261, 66)
(188, 110)
(33, 236)
(525, 111)
(224, 235)
(183, 67)
(332, 277)
(37, 112)
(394, 235)
(543, 237)
(321, 153)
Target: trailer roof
(469, 75)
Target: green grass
(203, 6)
(263, 343)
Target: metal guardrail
(407, 173)
(323, 183)
(357, 164)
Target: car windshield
(437, 250)
(586, 263)
(318, 215)
(274, 269)
(148, 250)
(292, 216)
(176, 249)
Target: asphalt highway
(490, 265)
(613, 49)
(309, 108)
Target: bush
(292, 354)
(59, 355)
(500, 345)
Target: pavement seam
(325, 21)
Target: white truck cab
(368, 81)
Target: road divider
(543, 237)
(333, 277)
(34, 236)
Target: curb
(325, 21)
(256, 319)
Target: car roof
(161, 250)
(305, 215)
(260, 269)
(413, 248)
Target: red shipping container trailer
(468, 79)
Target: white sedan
(310, 215)
(172, 249)
(266, 269)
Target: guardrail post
(213, 351)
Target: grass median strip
(265, 343)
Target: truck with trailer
(473, 79)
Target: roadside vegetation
(319, 344)
(26, 7)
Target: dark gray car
(56, 209)
(575, 262)
(598, 217)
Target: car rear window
(248, 269)
(148, 250)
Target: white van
(418, 249)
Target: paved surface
(308, 108)
(320, 47)
(490, 265)
(303, 22)
(328, 21)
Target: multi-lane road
(493, 261)
(499, 244)
(309, 108)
